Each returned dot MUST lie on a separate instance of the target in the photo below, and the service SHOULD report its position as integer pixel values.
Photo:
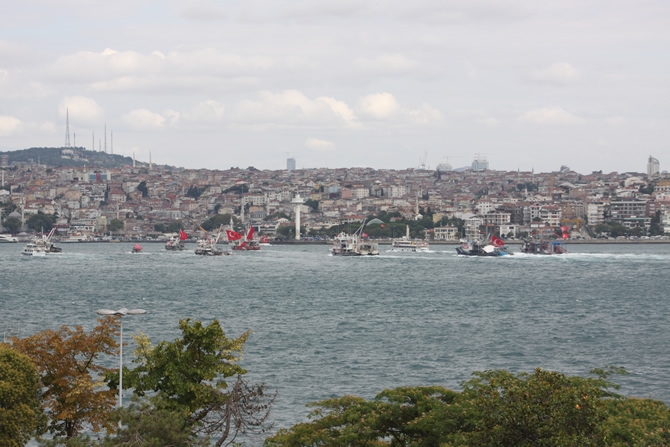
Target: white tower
(297, 201)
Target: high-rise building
(290, 164)
(653, 167)
(480, 163)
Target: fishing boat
(245, 242)
(406, 244)
(34, 250)
(47, 243)
(542, 247)
(207, 246)
(176, 243)
(353, 244)
(492, 246)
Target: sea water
(327, 326)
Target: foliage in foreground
(20, 405)
(495, 409)
(187, 377)
(72, 391)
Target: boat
(241, 242)
(206, 246)
(353, 244)
(542, 247)
(8, 238)
(406, 244)
(492, 246)
(176, 243)
(137, 248)
(45, 241)
(34, 250)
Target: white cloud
(378, 105)
(9, 125)
(292, 107)
(425, 115)
(204, 112)
(319, 145)
(560, 73)
(82, 110)
(551, 115)
(143, 119)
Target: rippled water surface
(326, 326)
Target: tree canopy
(20, 405)
(73, 394)
(189, 376)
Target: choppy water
(326, 326)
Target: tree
(544, 408)
(195, 192)
(406, 416)
(637, 422)
(216, 221)
(160, 228)
(71, 379)
(142, 187)
(175, 226)
(12, 224)
(115, 225)
(188, 376)
(40, 222)
(20, 407)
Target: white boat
(406, 244)
(176, 243)
(33, 249)
(5, 238)
(207, 246)
(353, 244)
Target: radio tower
(67, 127)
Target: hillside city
(142, 200)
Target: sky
(525, 84)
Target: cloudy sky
(527, 84)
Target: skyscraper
(653, 167)
(290, 164)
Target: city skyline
(341, 84)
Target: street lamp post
(122, 313)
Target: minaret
(112, 135)
(105, 138)
(93, 141)
(297, 201)
(133, 158)
(150, 165)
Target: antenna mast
(67, 127)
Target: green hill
(61, 156)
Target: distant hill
(73, 157)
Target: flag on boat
(364, 235)
(497, 242)
(250, 234)
(233, 235)
(264, 239)
(182, 235)
(566, 235)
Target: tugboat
(492, 247)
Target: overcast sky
(528, 84)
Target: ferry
(33, 249)
(4, 238)
(353, 244)
(406, 244)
